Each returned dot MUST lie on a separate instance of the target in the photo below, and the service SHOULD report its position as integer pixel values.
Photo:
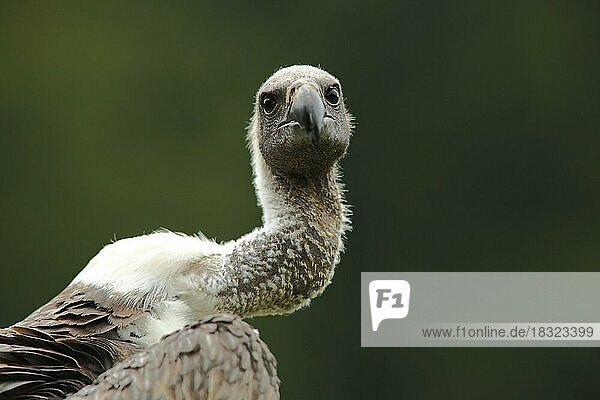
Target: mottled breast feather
(220, 357)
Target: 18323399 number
(563, 331)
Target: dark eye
(268, 102)
(332, 95)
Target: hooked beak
(308, 110)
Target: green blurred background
(477, 149)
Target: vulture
(142, 300)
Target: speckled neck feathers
(283, 265)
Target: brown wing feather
(63, 346)
(81, 310)
(220, 357)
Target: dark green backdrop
(477, 149)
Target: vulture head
(300, 125)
